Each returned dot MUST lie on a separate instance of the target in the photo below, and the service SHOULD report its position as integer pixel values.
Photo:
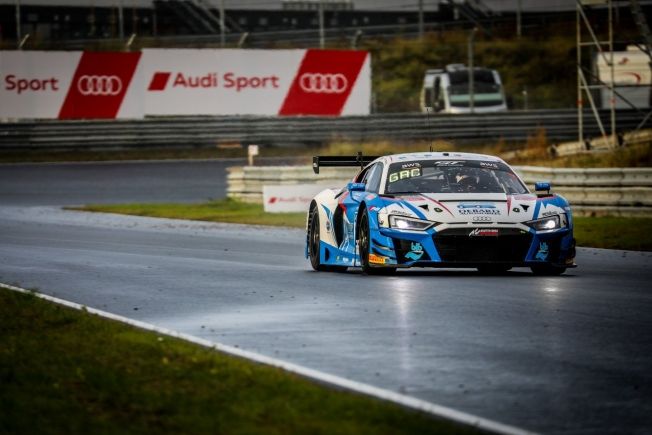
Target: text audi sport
(437, 210)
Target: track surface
(569, 354)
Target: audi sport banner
(184, 82)
(257, 82)
(69, 85)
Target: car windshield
(452, 176)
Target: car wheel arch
(358, 214)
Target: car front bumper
(465, 247)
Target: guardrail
(210, 131)
(591, 192)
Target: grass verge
(66, 371)
(597, 232)
(633, 234)
(226, 210)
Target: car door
(351, 203)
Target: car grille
(458, 246)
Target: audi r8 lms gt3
(437, 210)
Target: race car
(437, 209)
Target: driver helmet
(467, 176)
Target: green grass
(226, 210)
(614, 233)
(66, 371)
(598, 232)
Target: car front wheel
(363, 246)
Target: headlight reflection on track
(551, 289)
(403, 295)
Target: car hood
(468, 207)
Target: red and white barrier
(91, 85)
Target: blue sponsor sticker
(416, 251)
(543, 252)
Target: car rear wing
(359, 160)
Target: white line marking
(347, 384)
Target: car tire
(314, 245)
(363, 246)
(547, 270)
(494, 269)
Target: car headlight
(549, 223)
(406, 223)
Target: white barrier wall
(608, 191)
(89, 85)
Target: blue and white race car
(437, 209)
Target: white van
(447, 90)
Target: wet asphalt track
(569, 354)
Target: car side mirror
(542, 188)
(356, 187)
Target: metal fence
(608, 191)
(559, 125)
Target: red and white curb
(321, 377)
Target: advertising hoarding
(284, 198)
(89, 85)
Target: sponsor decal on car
(543, 252)
(411, 198)
(348, 228)
(525, 197)
(477, 209)
(489, 165)
(404, 174)
(449, 163)
(416, 251)
(484, 232)
(377, 259)
(344, 259)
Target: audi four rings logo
(99, 85)
(323, 83)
